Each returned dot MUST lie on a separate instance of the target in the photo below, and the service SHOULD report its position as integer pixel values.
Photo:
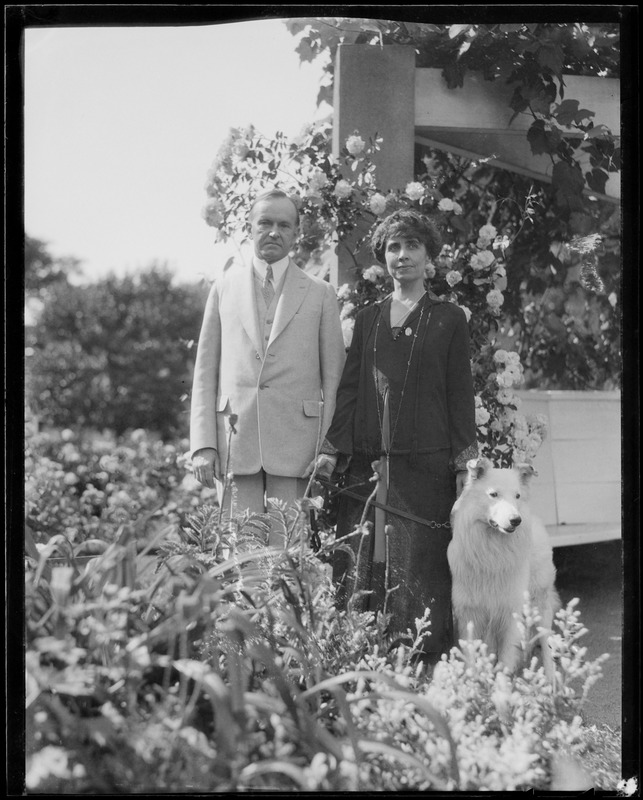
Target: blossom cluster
(86, 486)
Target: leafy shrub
(114, 354)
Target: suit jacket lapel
(244, 295)
(295, 287)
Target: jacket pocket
(223, 404)
(312, 407)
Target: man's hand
(206, 466)
(323, 466)
(460, 479)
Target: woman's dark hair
(407, 223)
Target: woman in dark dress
(405, 406)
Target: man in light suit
(271, 352)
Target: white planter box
(577, 492)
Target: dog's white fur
(499, 552)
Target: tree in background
(114, 354)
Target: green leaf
(596, 180)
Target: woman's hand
(323, 466)
(206, 466)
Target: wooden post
(374, 94)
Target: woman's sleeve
(339, 438)
(460, 397)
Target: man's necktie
(267, 289)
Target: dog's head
(496, 495)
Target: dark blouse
(431, 398)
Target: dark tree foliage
(115, 354)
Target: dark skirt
(416, 570)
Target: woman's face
(406, 258)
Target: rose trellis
(340, 202)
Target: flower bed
(215, 664)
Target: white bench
(577, 492)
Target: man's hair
(406, 223)
(274, 194)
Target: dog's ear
(525, 472)
(477, 468)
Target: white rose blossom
(344, 292)
(445, 204)
(377, 204)
(500, 356)
(316, 181)
(482, 260)
(495, 299)
(467, 312)
(355, 144)
(414, 190)
(488, 232)
(505, 396)
(343, 189)
(482, 416)
(373, 273)
(347, 310)
(453, 277)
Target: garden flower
(457, 208)
(504, 379)
(501, 243)
(343, 189)
(488, 232)
(429, 271)
(482, 416)
(414, 190)
(495, 299)
(316, 181)
(344, 292)
(500, 356)
(211, 213)
(445, 204)
(467, 312)
(373, 273)
(347, 310)
(377, 204)
(355, 145)
(504, 396)
(482, 260)
(453, 277)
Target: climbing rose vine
(339, 204)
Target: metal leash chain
(395, 511)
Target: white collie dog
(497, 554)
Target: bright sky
(122, 124)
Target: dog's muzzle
(514, 523)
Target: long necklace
(380, 411)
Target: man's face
(273, 228)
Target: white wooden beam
(482, 105)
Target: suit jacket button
(263, 386)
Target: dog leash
(385, 507)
